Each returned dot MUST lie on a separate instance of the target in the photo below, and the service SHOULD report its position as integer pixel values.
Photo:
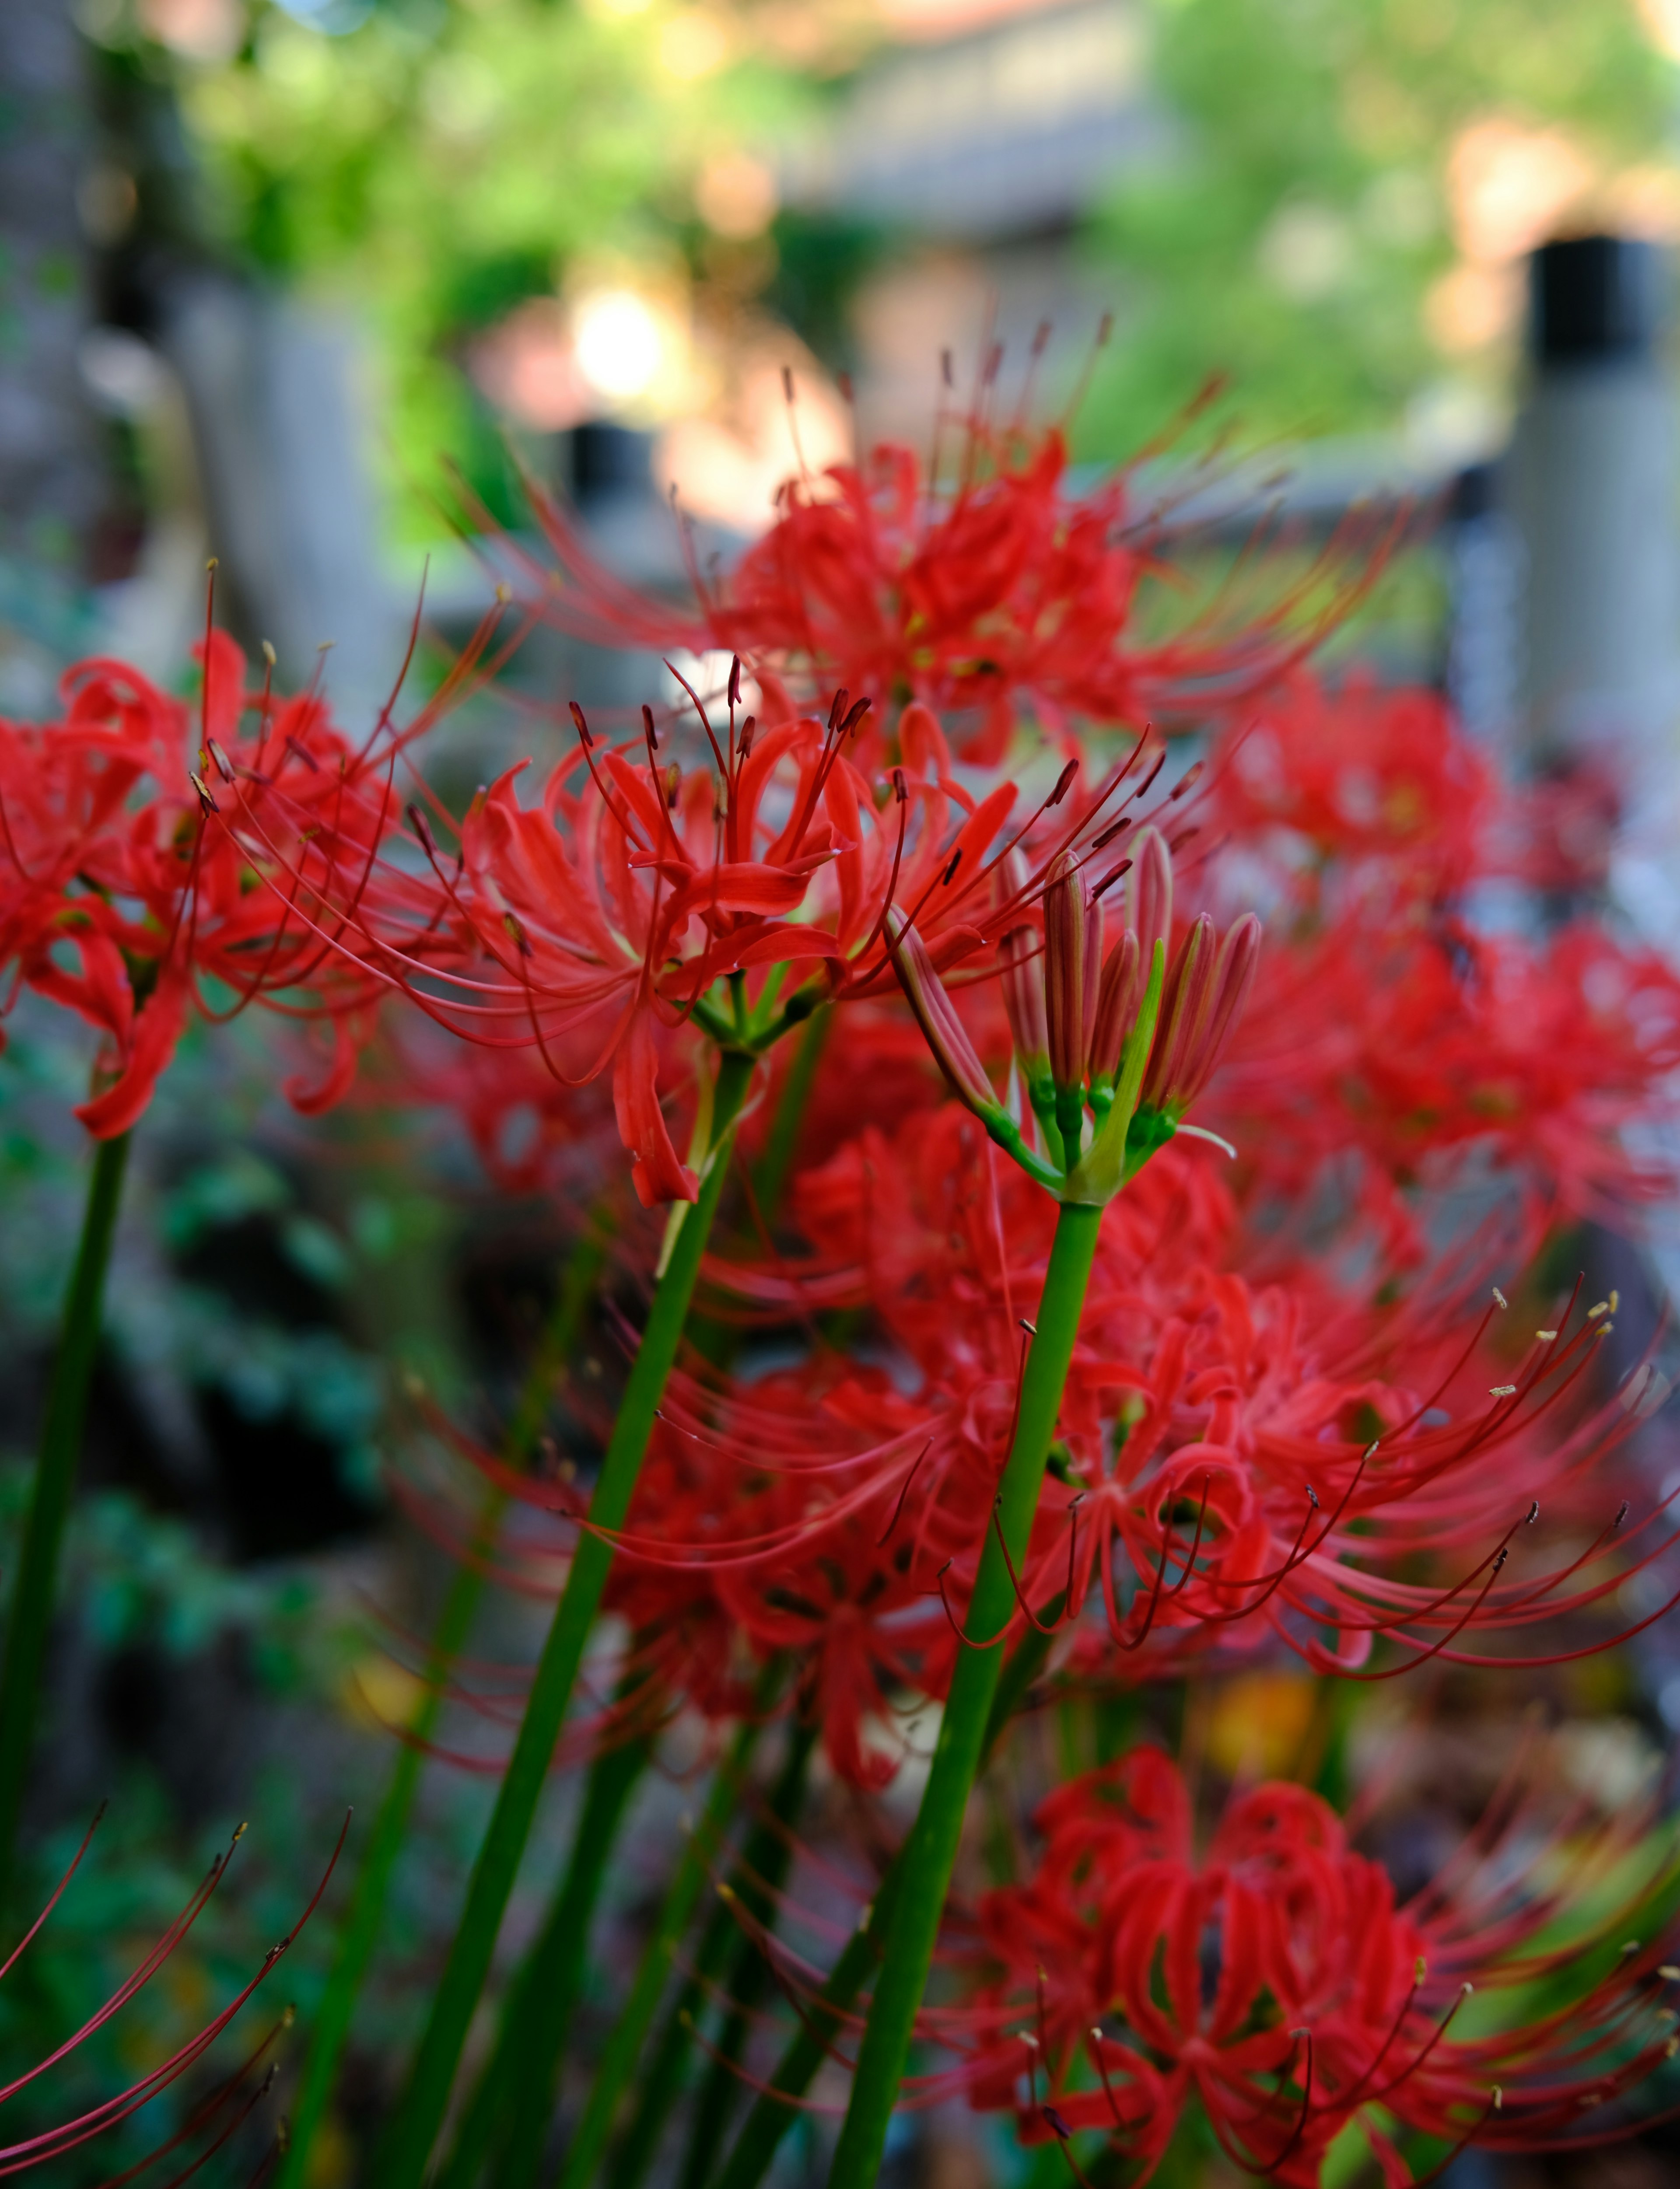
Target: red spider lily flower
(1388, 1030)
(1429, 1052)
(1278, 1983)
(1359, 776)
(987, 588)
(1241, 1461)
(53, 2143)
(636, 902)
(148, 848)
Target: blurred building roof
(1009, 128)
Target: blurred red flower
(1276, 1981)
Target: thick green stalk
(359, 1934)
(514, 2101)
(35, 1588)
(775, 2112)
(931, 1851)
(408, 2143)
(758, 1877)
(772, 1175)
(624, 2046)
(743, 1986)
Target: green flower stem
(624, 2046)
(359, 1934)
(514, 2101)
(770, 1176)
(408, 2143)
(758, 1877)
(776, 2111)
(34, 1591)
(931, 1851)
(330, 2028)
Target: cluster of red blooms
(1252, 1449)
(156, 859)
(1391, 1038)
(1277, 1429)
(1277, 1980)
(982, 584)
(1239, 1464)
(1275, 1433)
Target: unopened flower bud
(1121, 984)
(1023, 977)
(1023, 983)
(1088, 1001)
(1072, 955)
(1149, 892)
(1233, 978)
(1183, 1006)
(1206, 992)
(945, 1032)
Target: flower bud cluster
(1119, 1033)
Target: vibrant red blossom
(637, 901)
(149, 847)
(1239, 1464)
(1394, 1041)
(1278, 1982)
(985, 584)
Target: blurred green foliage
(210, 1668)
(442, 161)
(445, 160)
(1291, 241)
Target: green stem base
(929, 1853)
(774, 2113)
(514, 2101)
(359, 1934)
(407, 2147)
(37, 1573)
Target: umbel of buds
(1111, 1049)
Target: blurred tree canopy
(1338, 229)
(440, 161)
(1354, 185)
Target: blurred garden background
(318, 289)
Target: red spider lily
(1386, 1028)
(986, 587)
(1218, 1487)
(1428, 1051)
(1355, 775)
(1277, 1982)
(1220, 1479)
(36, 2150)
(635, 902)
(149, 848)
(1220, 1482)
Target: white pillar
(1593, 489)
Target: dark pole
(1592, 487)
